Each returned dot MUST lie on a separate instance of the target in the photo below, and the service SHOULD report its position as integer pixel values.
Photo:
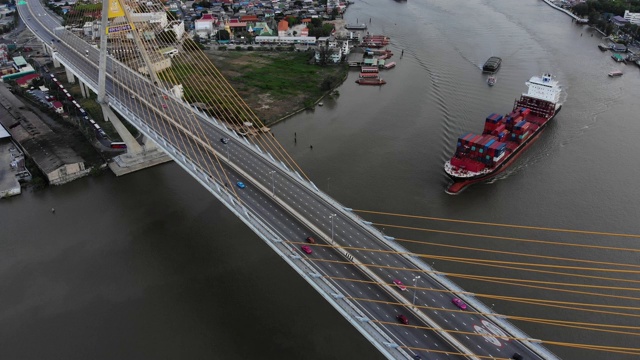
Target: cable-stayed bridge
(352, 265)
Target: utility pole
(273, 183)
(415, 290)
(332, 216)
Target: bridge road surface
(317, 211)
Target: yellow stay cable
(521, 285)
(587, 232)
(481, 262)
(546, 242)
(511, 253)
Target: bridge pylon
(141, 153)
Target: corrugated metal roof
(3, 132)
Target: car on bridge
(400, 285)
(311, 240)
(402, 319)
(306, 249)
(224, 140)
(241, 185)
(459, 303)
(164, 106)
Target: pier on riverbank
(574, 16)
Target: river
(150, 265)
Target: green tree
(223, 35)
(608, 29)
(581, 9)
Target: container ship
(480, 157)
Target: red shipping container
(475, 139)
(498, 129)
(526, 112)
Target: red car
(311, 240)
(402, 319)
(399, 284)
(164, 106)
(306, 249)
(459, 303)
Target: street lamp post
(332, 216)
(415, 290)
(273, 183)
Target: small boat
(390, 65)
(615, 73)
(617, 57)
(355, 26)
(603, 47)
(491, 80)
(370, 81)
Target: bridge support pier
(138, 156)
(70, 77)
(45, 48)
(84, 90)
(56, 63)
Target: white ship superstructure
(545, 88)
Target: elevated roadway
(352, 265)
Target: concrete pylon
(149, 144)
(70, 77)
(137, 157)
(133, 147)
(56, 63)
(84, 90)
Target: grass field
(272, 84)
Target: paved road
(305, 209)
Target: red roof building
(249, 18)
(26, 80)
(57, 105)
(283, 27)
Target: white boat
(615, 73)
(491, 80)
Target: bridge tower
(142, 152)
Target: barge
(492, 64)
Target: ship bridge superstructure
(545, 88)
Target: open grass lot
(273, 84)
